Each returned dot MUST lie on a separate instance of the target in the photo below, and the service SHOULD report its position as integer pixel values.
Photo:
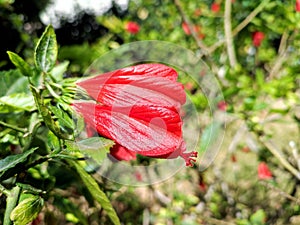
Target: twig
(277, 65)
(284, 194)
(272, 148)
(162, 197)
(200, 44)
(282, 57)
(249, 18)
(146, 217)
(4, 190)
(295, 151)
(228, 34)
(241, 26)
(283, 42)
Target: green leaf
(19, 85)
(58, 71)
(63, 117)
(27, 210)
(96, 192)
(45, 54)
(17, 102)
(52, 141)
(258, 218)
(20, 64)
(12, 161)
(95, 147)
(29, 189)
(8, 79)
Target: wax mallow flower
(257, 38)
(132, 27)
(297, 6)
(215, 7)
(138, 107)
(264, 172)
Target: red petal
(264, 172)
(121, 153)
(118, 95)
(165, 117)
(148, 70)
(125, 88)
(134, 133)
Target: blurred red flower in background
(257, 38)
(132, 27)
(138, 107)
(264, 172)
(215, 7)
(196, 29)
(222, 105)
(297, 5)
(186, 28)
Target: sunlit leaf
(20, 64)
(27, 210)
(17, 102)
(45, 54)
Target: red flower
(222, 105)
(186, 28)
(132, 27)
(257, 38)
(138, 107)
(215, 7)
(264, 172)
(297, 5)
(196, 29)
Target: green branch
(22, 130)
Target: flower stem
(250, 17)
